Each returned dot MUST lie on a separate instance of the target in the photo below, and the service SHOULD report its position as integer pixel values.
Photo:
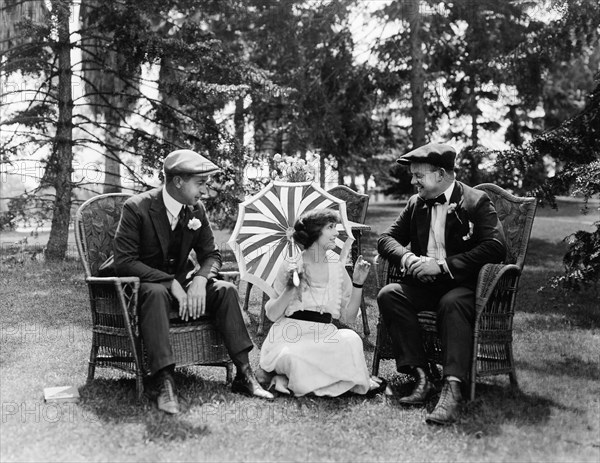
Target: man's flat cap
(437, 154)
(188, 162)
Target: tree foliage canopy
(128, 81)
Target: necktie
(441, 199)
(183, 216)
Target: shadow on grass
(114, 401)
(494, 405)
(570, 366)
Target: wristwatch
(441, 265)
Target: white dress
(310, 357)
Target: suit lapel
(158, 215)
(453, 224)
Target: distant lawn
(555, 416)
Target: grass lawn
(45, 341)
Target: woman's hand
(361, 270)
(293, 280)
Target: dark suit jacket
(466, 252)
(142, 241)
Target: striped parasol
(262, 239)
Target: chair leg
(139, 385)
(229, 373)
(365, 319)
(472, 382)
(376, 359)
(92, 364)
(247, 298)
(261, 318)
(513, 374)
(513, 379)
(375, 368)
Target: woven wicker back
(96, 222)
(516, 215)
(356, 203)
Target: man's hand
(180, 295)
(424, 269)
(196, 297)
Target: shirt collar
(448, 191)
(172, 205)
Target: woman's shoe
(264, 377)
(377, 385)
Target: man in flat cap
(156, 233)
(442, 238)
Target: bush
(582, 261)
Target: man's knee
(154, 291)
(459, 301)
(388, 297)
(225, 288)
(223, 294)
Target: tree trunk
(353, 182)
(367, 176)
(474, 111)
(165, 76)
(417, 76)
(474, 129)
(62, 155)
(341, 170)
(112, 163)
(322, 168)
(267, 131)
(239, 123)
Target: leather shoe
(247, 384)
(167, 397)
(447, 408)
(420, 393)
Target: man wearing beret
(156, 233)
(442, 238)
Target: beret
(437, 154)
(188, 162)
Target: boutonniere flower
(470, 234)
(194, 224)
(453, 208)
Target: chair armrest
(495, 277)
(232, 276)
(126, 289)
(112, 280)
(386, 272)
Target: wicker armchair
(116, 340)
(496, 291)
(356, 210)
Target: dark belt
(311, 316)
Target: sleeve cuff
(447, 269)
(405, 258)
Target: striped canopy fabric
(262, 239)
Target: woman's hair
(309, 225)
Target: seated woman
(304, 352)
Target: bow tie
(441, 199)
